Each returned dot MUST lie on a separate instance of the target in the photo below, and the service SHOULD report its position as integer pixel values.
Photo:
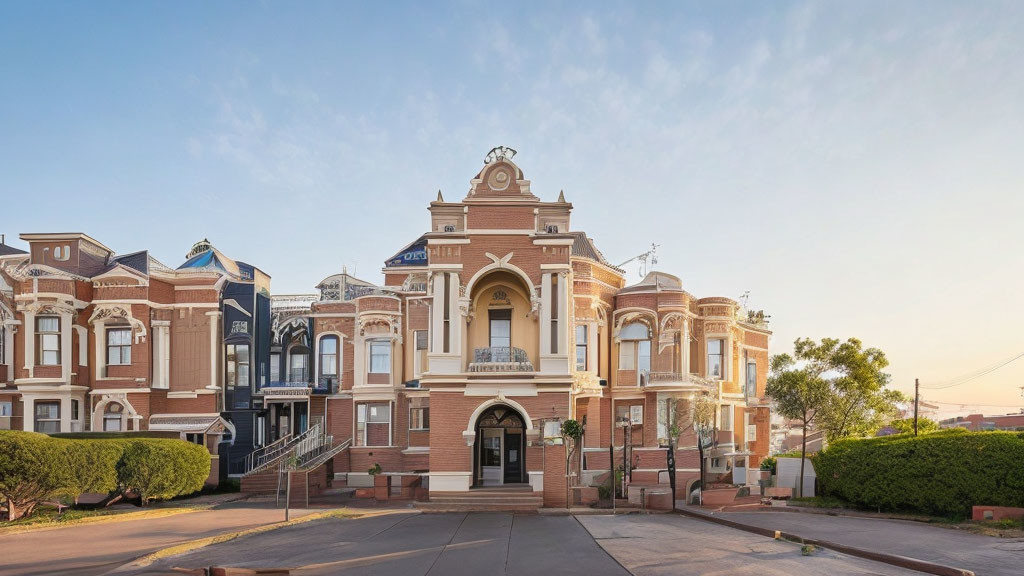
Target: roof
(209, 259)
(136, 260)
(660, 281)
(583, 247)
(413, 254)
(50, 236)
(211, 423)
(6, 250)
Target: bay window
(47, 419)
(373, 424)
(48, 340)
(581, 348)
(119, 346)
(328, 360)
(419, 418)
(380, 356)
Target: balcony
(326, 385)
(500, 359)
(676, 380)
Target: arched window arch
(298, 363)
(113, 414)
(635, 348)
(328, 356)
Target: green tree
(858, 402)
(33, 469)
(906, 425)
(799, 394)
(704, 408)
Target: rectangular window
(751, 379)
(329, 356)
(725, 423)
(380, 357)
(643, 355)
(419, 418)
(373, 424)
(716, 349)
(3, 345)
(47, 417)
(627, 355)
(554, 313)
(419, 359)
(74, 410)
(275, 367)
(500, 332)
(751, 428)
(238, 365)
(581, 348)
(119, 346)
(48, 341)
(299, 371)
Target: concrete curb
(891, 559)
(191, 545)
(126, 516)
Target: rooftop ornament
(499, 153)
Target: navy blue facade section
(246, 325)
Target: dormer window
(62, 253)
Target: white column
(214, 350)
(65, 355)
(359, 360)
(65, 414)
(98, 330)
(450, 362)
(30, 343)
(28, 421)
(160, 356)
(684, 341)
(83, 345)
(545, 314)
(593, 344)
(9, 330)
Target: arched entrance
(500, 447)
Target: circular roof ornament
(499, 180)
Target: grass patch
(46, 517)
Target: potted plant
(381, 483)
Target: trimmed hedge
(35, 468)
(943, 473)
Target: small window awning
(189, 423)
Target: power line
(965, 378)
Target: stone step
(432, 507)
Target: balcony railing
(500, 359)
(326, 385)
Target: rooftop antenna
(745, 297)
(651, 255)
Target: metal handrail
(297, 446)
(257, 458)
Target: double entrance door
(499, 457)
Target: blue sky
(855, 166)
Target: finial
(561, 196)
(439, 197)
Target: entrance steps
(509, 498)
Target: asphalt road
(983, 554)
(410, 544)
(98, 548)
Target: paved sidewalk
(672, 544)
(982, 554)
(96, 549)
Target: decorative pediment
(644, 317)
(117, 312)
(376, 324)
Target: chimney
(2, 239)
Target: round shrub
(161, 469)
(944, 473)
(32, 470)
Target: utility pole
(917, 397)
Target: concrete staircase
(509, 498)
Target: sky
(855, 166)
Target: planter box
(382, 487)
(995, 512)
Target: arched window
(635, 348)
(328, 360)
(298, 364)
(112, 417)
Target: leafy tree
(160, 469)
(906, 425)
(704, 408)
(838, 385)
(572, 434)
(799, 394)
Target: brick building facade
(490, 329)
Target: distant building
(976, 422)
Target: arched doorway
(500, 447)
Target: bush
(32, 470)
(944, 473)
(35, 468)
(161, 469)
(769, 463)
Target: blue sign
(415, 255)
